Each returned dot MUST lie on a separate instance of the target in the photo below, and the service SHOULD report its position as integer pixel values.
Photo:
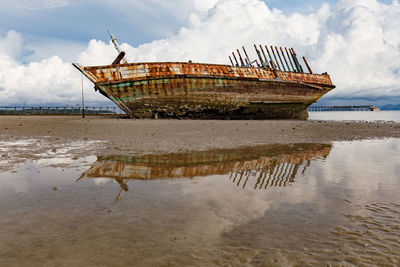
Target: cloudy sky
(356, 41)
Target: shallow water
(282, 205)
(376, 116)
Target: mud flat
(108, 192)
(124, 136)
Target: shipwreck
(274, 86)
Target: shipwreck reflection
(258, 167)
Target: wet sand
(276, 205)
(125, 136)
(65, 202)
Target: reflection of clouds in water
(360, 162)
(89, 159)
(394, 146)
(358, 168)
(42, 174)
(67, 150)
(301, 194)
(222, 204)
(55, 161)
(46, 152)
(212, 210)
(368, 165)
(17, 182)
(66, 160)
(397, 170)
(101, 181)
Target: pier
(74, 110)
(77, 110)
(341, 108)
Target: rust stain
(141, 71)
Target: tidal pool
(279, 205)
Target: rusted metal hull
(207, 91)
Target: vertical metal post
(294, 60)
(240, 57)
(291, 64)
(276, 60)
(83, 102)
(283, 54)
(247, 56)
(237, 64)
(273, 65)
(308, 67)
(297, 62)
(259, 56)
(265, 58)
(269, 55)
(280, 59)
(231, 60)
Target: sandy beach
(125, 136)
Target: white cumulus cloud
(361, 48)
(357, 42)
(45, 82)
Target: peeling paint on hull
(205, 91)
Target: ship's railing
(74, 110)
(341, 108)
(283, 59)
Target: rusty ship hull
(207, 91)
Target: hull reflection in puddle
(258, 167)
